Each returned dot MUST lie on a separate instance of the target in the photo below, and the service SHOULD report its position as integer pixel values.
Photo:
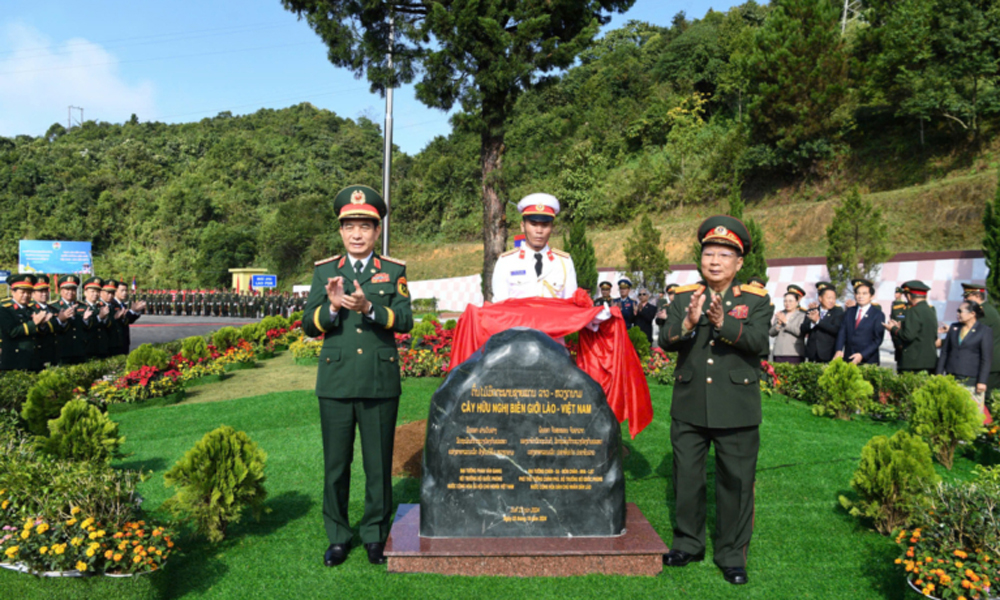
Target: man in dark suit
(132, 314)
(822, 324)
(967, 351)
(862, 329)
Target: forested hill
(779, 100)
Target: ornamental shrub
(225, 338)
(945, 414)
(890, 480)
(450, 324)
(45, 400)
(14, 386)
(216, 480)
(82, 432)
(253, 333)
(846, 391)
(194, 348)
(800, 382)
(892, 392)
(640, 342)
(424, 328)
(275, 322)
(295, 316)
(147, 356)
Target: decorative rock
(521, 443)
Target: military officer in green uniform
(96, 328)
(73, 345)
(49, 333)
(991, 318)
(114, 333)
(918, 333)
(719, 329)
(19, 324)
(359, 301)
(898, 314)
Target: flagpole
(387, 157)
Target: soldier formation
(222, 303)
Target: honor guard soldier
(73, 345)
(534, 269)
(49, 333)
(19, 324)
(991, 318)
(188, 303)
(96, 327)
(918, 332)
(358, 301)
(605, 298)
(115, 335)
(719, 329)
(625, 303)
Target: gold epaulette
(509, 252)
(686, 288)
(326, 260)
(752, 289)
(7, 304)
(875, 304)
(560, 253)
(401, 263)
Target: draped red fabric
(606, 355)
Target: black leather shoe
(375, 555)
(336, 554)
(680, 558)
(735, 575)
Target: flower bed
(135, 387)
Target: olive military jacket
(991, 318)
(716, 377)
(917, 334)
(47, 338)
(17, 336)
(359, 357)
(73, 344)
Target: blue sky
(185, 60)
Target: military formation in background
(222, 303)
(36, 333)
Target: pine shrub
(194, 348)
(640, 342)
(253, 333)
(945, 414)
(216, 480)
(147, 356)
(424, 328)
(14, 387)
(83, 433)
(275, 322)
(45, 400)
(845, 391)
(225, 338)
(890, 480)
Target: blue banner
(264, 281)
(44, 256)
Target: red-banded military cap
(538, 207)
(359, 202)
(42, 281)
(725, 231)
(21, 281)
(973, 288)
(70, 281)
(110, 286)
(794, 289)
(94, 283)
(916, 287)
(605, 285)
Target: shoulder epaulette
(686, 288)
(326, 260)
(7, 304)
(509, 252)
(876, 304)
(560, 253)
(401, 263)
(752, 289)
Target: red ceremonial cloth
(607, 355)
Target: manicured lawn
(804, 545)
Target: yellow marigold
(81, 566)
(117, 557)
(71, 521)
(101, 533)
(4, 504)
(87, 523)
(899, 561)
(25, 534)
(122, 545)
(91, 529)
(76, 541)
(12, 551)
(966, 583)
(961, 598)
(93, 535)
(90, 552)
(959, 564)
(961, 554)
(42, 528)
(59, 548)
(108, 554)
(159, 553)
(136, 559)
(43, 550)
(74, 510)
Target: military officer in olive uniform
(359, 301)
(116, 337)
(49, 333)
(605, 298)
(991, 318)
(627, 305)
(898, 314)
(663, 303)
(19, 324)
(719, 329)
(73, 345)
(919, 332)
(96, 328)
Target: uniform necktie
(538, 264)
(357, 267)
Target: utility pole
(850, 6)
(69, 116)
(387, 158)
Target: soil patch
(408, 451)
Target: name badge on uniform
(521, 272)
(381, 278)
(740, 312)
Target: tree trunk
(494, 207)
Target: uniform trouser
(735, 474)
(376, 419)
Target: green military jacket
(48, 337)
(359, 357)
(17, 336)
(717, 373)
(917, 335)
(991, 318)
(73, 344)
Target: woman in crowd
(967, 351)
(786, 329)
(862, 330)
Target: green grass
(804, 545)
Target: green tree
(991, 245)
(481, 55)
(646, 261)
(856, 241)
(582, 251)
(799, 69)
(754, 264)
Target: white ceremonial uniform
(514, 275)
